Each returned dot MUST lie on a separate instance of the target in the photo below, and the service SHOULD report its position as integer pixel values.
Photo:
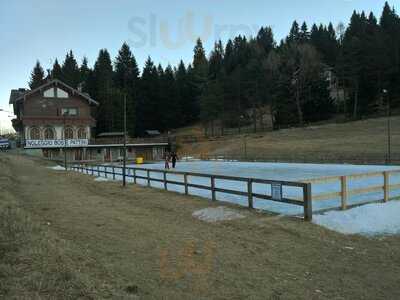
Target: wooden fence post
(250, 192)
(185, 180)
(165, 180)
(113, 172)
(134, 176)
(343, 180)
(386, 186)
(105, 171)
(98, 171)
(307, 198)
(213, 196)
(148, 178)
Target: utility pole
(389, 134)
(388, 126)
(124, 163)
(65, 114)
(245, 147)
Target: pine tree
(294, 34)
(169, 100)
(84, 72)
(148, 115)
(126, 68)
(200, 73)
(185, 95)
(211, 101)
(37, 76)
(127, 80)
(56, 72)
(265, 39)
(390, 26)
(304, 35)
(216, 61)
(103, 91)
(70, 70)
(229, 60)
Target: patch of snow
(57, 168)
(217, 214)
(262, 170)
(102, 179)
(368, 220)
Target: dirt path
(143, 243)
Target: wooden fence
(346, 192)
(309, 157)
(305, 202)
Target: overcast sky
(165, 30)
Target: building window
(55, 93)
(69, 133)
(82, 133)
(49, 133)
(62, 94)
(49, 93)
(69, 111)
(35, 133)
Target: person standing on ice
(174, 158)
(167, 161)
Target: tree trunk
(355, 114)
(271, 111)
(254, 118)
(298, 105)
(345, 99)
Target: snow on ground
(102, 179)
(57, 168)
(217, 214)
(369, 220)
(272, 171)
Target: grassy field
(342, 142)
(65, 236)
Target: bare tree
(307, 65)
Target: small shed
(110, 138)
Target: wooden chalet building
(56, 117)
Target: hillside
(362, 141)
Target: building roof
(55, 82)
(110, 134)
(17, 93)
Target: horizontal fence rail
(346, 191)
(110, 172)
(308, 157)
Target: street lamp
(389, 135)
(124, 162)
(65, 114)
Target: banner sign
(56, 143)
(276, 191)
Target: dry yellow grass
(64, 236)
(341, 142)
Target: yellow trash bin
(139, 160)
